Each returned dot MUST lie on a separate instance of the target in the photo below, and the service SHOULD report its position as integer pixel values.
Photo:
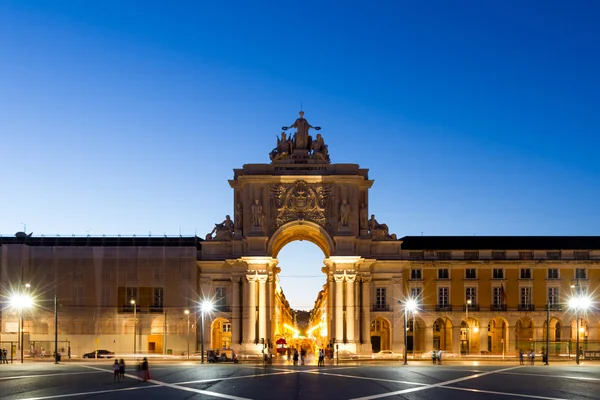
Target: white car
(386, 355)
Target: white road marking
(45, 375)
(446, 383)
(530, 396)
(58, 396)
(234, 377)
(581, 378)
(366, 378)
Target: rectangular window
(443, 297)
(471, 255)
(580, 273)
(226, 327)
(553, 296)
(498, 255)
(470, 273)
(220, 297)
(498, 299)
(553, 255)
(415, 273)
(444, 255)
(525, 297)
(581, 255)
(471, 294)
(131, 295)
(525, 273)
(415, 293)
(443, 273)
(158, 297)
(526, 255)
(415, 255)
(498, 273)
(380, 296)
(552, 273)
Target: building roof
(151, 241)
(500, 242)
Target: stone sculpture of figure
(363, 219)
(222, 231)
(238, 216)
(344, 213)
(283, 148)
(319, 148)
(301, 137)
(377, 230)
(257, 214)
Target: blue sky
(129, 117)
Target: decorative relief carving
(300, 201)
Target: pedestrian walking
(520, 356)
(439, 357)
(116, 377)
(434, 356)
(532, 357)
(145, 370)
(295, 356)
(321, 358)
(122, 369)
(4, 356)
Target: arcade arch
(497, 335)
(381, 334)
(220, 333)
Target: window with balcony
(443, 273)
(471, 294)
(553, 255)
(471, 255)
(580, 273)
(415, 293)
(415, 255)
(444, 255)
(380, 299)
(525, 273)
(498, 255)
(497, 273)
(526, 255)
(553, 300)
(552, 273)
(470, 273)
(443, 298)
(221, 298)
(525, 299)
(499, 298)
(581, 255)
(415, 273)
(157, 298)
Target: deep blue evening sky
(128, 118)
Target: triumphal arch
(300, 195)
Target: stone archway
(524, 334)
(442, 334)
(381, 335)
(220, 333)
(497, 336)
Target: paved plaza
(184, 380)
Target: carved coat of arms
(300, 201)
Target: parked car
(99, 354)
(346, 355)
(386, 355)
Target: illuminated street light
(187, 312)
(579, 302)
(409, 305)
(205, 306)
(134, 325)
(469, 302)
(21, 302)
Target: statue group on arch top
(301, 143)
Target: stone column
(428, 345)
(262, 306)
(350, 307)
(339, 307)
(455, 340)
(251, 304)
(366, 322)
(236, 317)
(331, 307)
(510, 340)
(483, 338)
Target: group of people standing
(436, 356)
(3, 359)
(119, 370)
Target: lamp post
(409, 305)
(205, 306)
(469, 302)
(414, 334)
(578, 302)
(187, 312)
(21, 301)
(134, 325)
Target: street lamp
(187, 312)
(469, 302)
(205, 306)
(20, 302)
(578, 302)
(134, 324)
(409, 305)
